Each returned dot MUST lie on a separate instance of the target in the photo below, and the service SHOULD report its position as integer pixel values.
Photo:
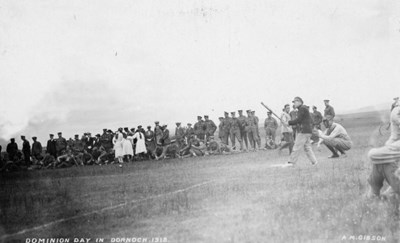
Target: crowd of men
(126, 145)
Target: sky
(78, 66)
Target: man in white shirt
(385, 160)
(335, 137)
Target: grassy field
(227, 198)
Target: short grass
(244, 200)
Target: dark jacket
(51, 148)
(303, 120)
(165, 140)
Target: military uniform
(226, 127)
(235, 131)
(329, 111)
(258, 137)
(317, 119)
(158, 133)
(210, 127)
(200, 128)
(251, 129)
(220, 129)
(61, 145)
(179, 134)
(189, 131)
(243, 133)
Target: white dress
(127, 148)
(140, 143)
(118, 145)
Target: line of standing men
(240, 128)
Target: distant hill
(379, 107)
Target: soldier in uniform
(199, 128)
(165, 142)
(226, 127)
(317, 118)
(235, 130)
(179, 134)
(256, 121)
(243, 133)
(26, 150)
(210, 127)
(328, 109)
(157, 132)
(270, 126)
(150, 141)
(189, 131)
(220, 129)
(61, 144)
(36, 149)
(51, 147)
(250, 129)
(12, 149)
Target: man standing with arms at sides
(210, 127)
(235, 131)
(189, 131)
(51, 147)
(317, 118)
(36, 149)
(243, 133)
(179, 134)
(26, 150)
(226, 127)
(328, 109)
(256, 121)
(303, 138)
(270, 126)
(150, 142)
(198, 128)
(61, 144)
(221, 134)
(157, 132)
(12, 149)
(251, 130)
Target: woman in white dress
(127, 149)
(117, 141)
(140, 142)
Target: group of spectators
(126, 145)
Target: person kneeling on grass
(385, 161)
(335, 137)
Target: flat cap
(297, 98)
(328, 118)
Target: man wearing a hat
(329, 111)
(179, 134)
(12, 149)
(303, 138)
(77, 145)
(316, 118)
(189, 131)
(335, 137)
(36, 149)
(251, 129)
(165, 142)
(150, 142)
(235, 131)
(258, 137)
(385, 161)
(200, 128)
(226, 127)
(395, 103)
(51, 147)
(61, 144)
(157, 132)
(243, 134)
(270, 126)
(210, 127)
(26, 150)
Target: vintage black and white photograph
(199, 121)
